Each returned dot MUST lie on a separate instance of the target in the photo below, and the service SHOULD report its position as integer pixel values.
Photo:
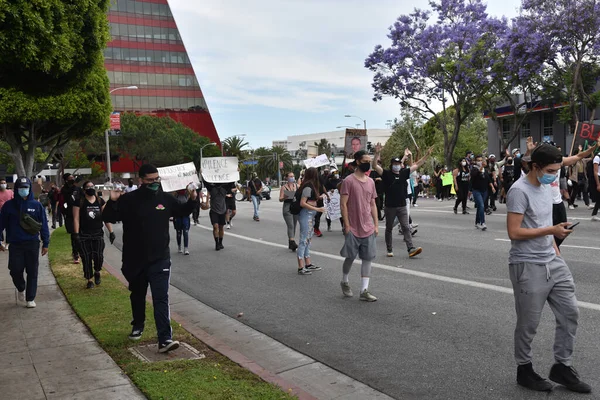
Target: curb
(222, 348)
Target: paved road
(443, 325)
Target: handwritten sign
(586, 135)
(177, 177)
(333, 206)
(220, 169)
(317, 161)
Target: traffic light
(369, 147)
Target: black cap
(66, 176)
(22, 182)
(546, 154)
(396, 160)
(147, 169)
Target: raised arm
(420, 163)
(572, 160)
(377, 157)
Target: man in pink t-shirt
(359, 212)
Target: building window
(526, 129)
(548, 123)
(142, 55)
(505, 129)
(141, 33)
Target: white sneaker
(590, 206)
(595, 218)
(179, 250)
(440, 200)
(21, 296)
(478, 226)
(483, 227)
(390, 254)
(31, 304)
(415, 205)
(414, 226)
(186, 252)
(571, 207)
(228, 226)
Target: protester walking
(54, 198)
(217, 194)
(462, 177)
(5, 195)
(256, 187)
(310, 194)
(539, 274)
(70, 194)
(480, 184)
(286, 196)
(87, 224)
(25, 222)
(146, 258)
(359, 212)
(182, 225)
(231, 205)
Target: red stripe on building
(149, 69)
(159, 92)
(141, 21)
(147, 46)
(154, 1)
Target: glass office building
(146, 51)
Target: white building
(335, 138)
(281, 143)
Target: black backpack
(295, 206)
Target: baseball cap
(492, 156)
(396, 160)
(546, 154)
(514, 151)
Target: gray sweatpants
(533, 285)
(390, 215)
(290, 219)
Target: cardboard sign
(220, 169)
(334, 212)
(586, 135)
(177, 177)
(356, 139)
(317, 161)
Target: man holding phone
(539, 274)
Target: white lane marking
(420, 274)
(562, 245)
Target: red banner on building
(115, 121)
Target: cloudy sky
(273, 68)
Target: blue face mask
(23, 192)
(547, 179)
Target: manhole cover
(149, 353)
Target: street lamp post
(202, 149)
(108, 169)
(355, 116)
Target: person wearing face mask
(182, 225)
(539, 274)
(54, 197)
(24, 220)
(395, 183)
(286, 196)
(462, 176)
(87, 223)
(130, 186)
(508, 178)
(145, 214)
(480, 185)
(70, 194)
(334, 183)
(5, 195)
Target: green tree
(53, 84)
(161, 141)
(323, 147)
(234, 146)
(267, 164)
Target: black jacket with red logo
(145, 215)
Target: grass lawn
(106, 311)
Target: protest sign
(317, 161)
(356, 139)
(220, 169)
(586, 135)
(334, 211)
(177, 177)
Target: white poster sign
(317, 161)
(334, 211)
(220, 169)
(177, 177)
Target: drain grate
(149, 353)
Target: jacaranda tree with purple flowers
(567, 34)
(445, 63)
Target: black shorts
(217, 218)
(230, 202)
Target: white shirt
(425, 179)
(555, 189)
(130, 189)
(597, 161)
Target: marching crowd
(534, 187)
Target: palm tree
(234, 146)
(267, 165)
(323, 147)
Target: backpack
(295, 206)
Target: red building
(146, 51)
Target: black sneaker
(97, 279)
(217, 247)
(569, 378)
(312, 267)
(136, 334)
(90, 285)
(221, 247)
(167, 346)
(465, 212)
(455, 211)
(528, 378)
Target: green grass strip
(107, 313)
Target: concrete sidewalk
(48, 353)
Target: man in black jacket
(146, 258)
(70, 194)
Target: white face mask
(3, 186)
(464, 163)
(396, 168)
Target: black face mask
(90, 191)
(364, 167)
(70, 183)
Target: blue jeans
(305, 218)
(256, 204)
(479, 198)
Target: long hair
(311, 177)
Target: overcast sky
(273, 68)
